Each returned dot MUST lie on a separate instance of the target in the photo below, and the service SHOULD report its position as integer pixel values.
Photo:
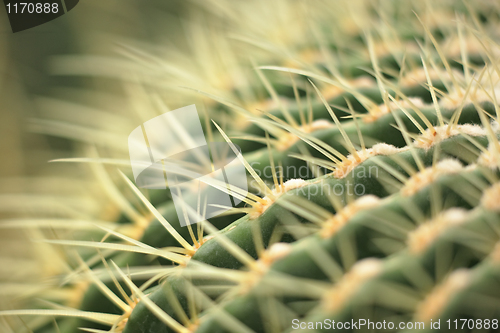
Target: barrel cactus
(370, 136)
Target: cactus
(396, 219)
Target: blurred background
(76, 87)
(95, 28)
(47, 113)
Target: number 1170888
(31, 8)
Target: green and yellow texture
(369, 130)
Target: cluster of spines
(384, 217)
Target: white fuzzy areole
(384, 109)
(490, 158)
(452, 46)
(290, 185)
(273, 253)
(420, 238)
(287, 140)
(332, 91)
(491, 198)
(386, 149)
(362, 271)
(455, 99)
(367, 268)
(434, 303)
(426, 177)
(266, 259)
(351, 161)
(267, 201)
(319, 124)
(342, 217)
(430, 137)
(483, 89)
(418, 76)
